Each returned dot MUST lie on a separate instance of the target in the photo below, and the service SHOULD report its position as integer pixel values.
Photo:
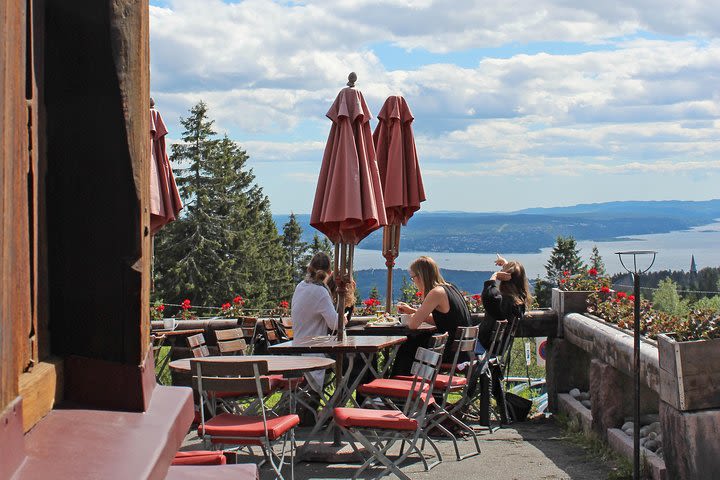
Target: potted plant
(571, 294)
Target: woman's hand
(500, 261)
(403, 307)
(502, 276)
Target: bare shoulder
(438, 292)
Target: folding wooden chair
(454, 384)
(249, 378)
(197, 345)
(378, 430)
(231, 341)
(249, 329)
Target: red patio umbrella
(400, 176)
(165, 202)
(348, 202)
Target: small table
(379, 330)
(365, 346)
(169, 338)
(277, 364)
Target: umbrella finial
(152, 102)
(352, 78)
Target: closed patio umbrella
(400, 176)
(165, 202)
(348, 202)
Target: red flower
(418, 294)
(238, 300)
(226, 306)
(605, 289)
(160, 308)
(562, 280)
(284, 304)
(593, 272)
(477, 297)
(631, 298)
(621, 295)
(566, 273)
(186, 304)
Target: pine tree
(295, 249)
(374, 293)
(226, 242)
(596, 261)
(565, 257)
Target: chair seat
(371, 418)
(388, 387)
(441, 381)
(200, 457)
(229, 425)
(282, 383)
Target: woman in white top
(313, 312)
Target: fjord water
(674, 252)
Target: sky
(517, 104)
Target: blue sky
(517, 104)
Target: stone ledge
(576, 410)
(107, 444)
(623, 444)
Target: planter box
(689, 373)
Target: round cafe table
(289, 366)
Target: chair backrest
(465, 339)
(197, 345)
(287, 326)
(231, 341)
(424, 370)
(241, 377)
(438, 342)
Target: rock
(655, 427)
(659, 438)
(643, 441)
(627, 426)
(659, 452)
(575, 393)
(651, 445)
(586, 404)
(644, 431)
(652, 436)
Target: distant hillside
(367, 279)
(529, 230)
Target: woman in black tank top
(442, 306)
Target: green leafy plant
(234, 309)
(618, 308)
(157, 311)
(474, 302)
(587, 280)
(185, 312)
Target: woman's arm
(433, 299)
(328, 312)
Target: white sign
(528, 356)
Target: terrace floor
(534, 449)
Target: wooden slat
(40, 390)
(15, 312)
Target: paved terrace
(523, 451)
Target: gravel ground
(522, 451)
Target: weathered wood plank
(690, 379)
(40, 390)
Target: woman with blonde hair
(442, 305)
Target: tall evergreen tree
(596, 261)
(295, 248)
(226, 242)
(542, 292)
(374, 293)
(565, 257)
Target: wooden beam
(40, 390)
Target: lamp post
(636, 272)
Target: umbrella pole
(340, 282)
(391, 246)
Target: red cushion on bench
(200, 457)
(441, 381)
(371, 418)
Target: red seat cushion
(388, 387)
(282, 383)
(200, 457)
(441, 381)
(371, 418)
(229, 425)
